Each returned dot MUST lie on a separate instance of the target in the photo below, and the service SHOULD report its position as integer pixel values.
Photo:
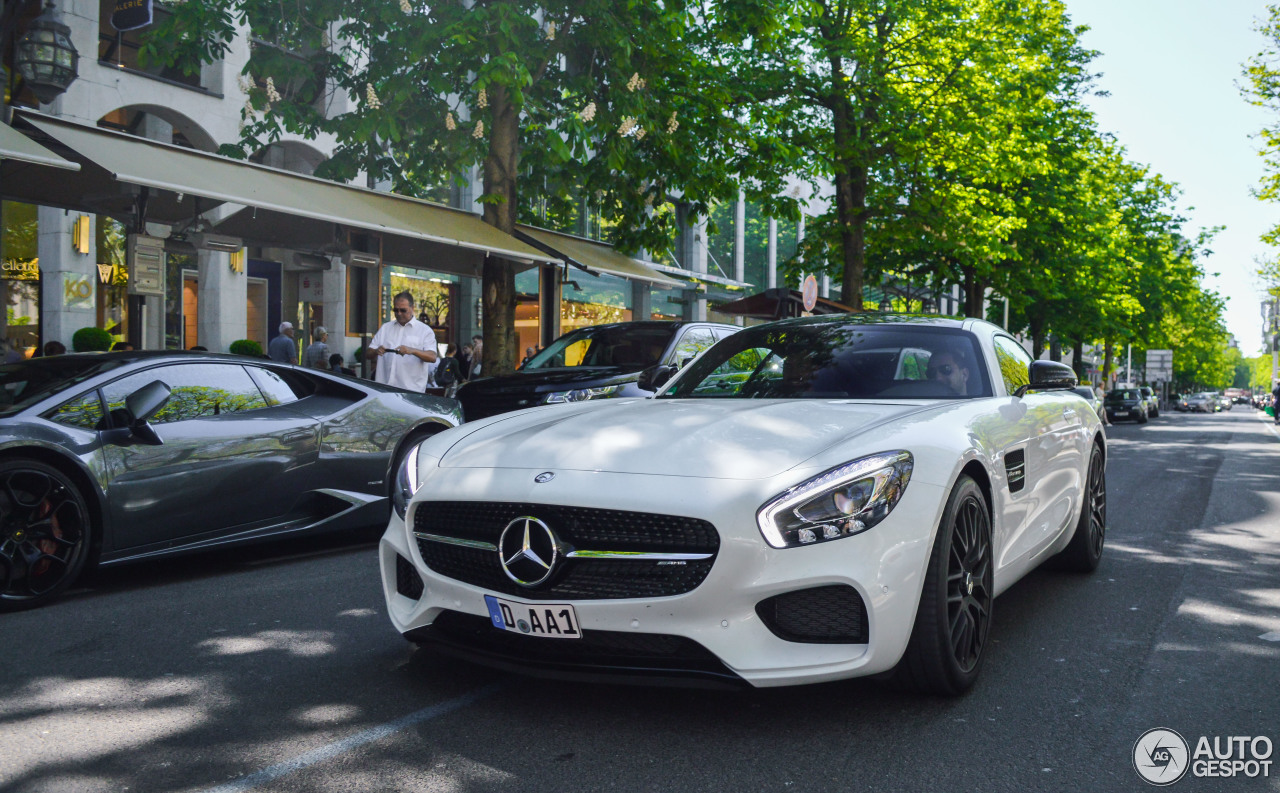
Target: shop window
(256, 311)
(720, 241)
(595, 300)
(113, 277)
(178, 268)
(120, 48)
(755, 253)
(788, 241)
(528, 311)
(19, 281)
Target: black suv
(591, 363)
(1126, 403)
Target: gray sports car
(115, 457)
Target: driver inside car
(950, 369)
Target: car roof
(875, 318)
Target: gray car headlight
(407, 481)
(841, 502)
(582, 394)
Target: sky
(1173, 70)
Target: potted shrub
(91, 340)
(246, 347)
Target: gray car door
(228, 457)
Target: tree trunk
(851, 200)
(1107, 350)
(1055, 348)
(1077, 361)
(499, 280)
(975, 293)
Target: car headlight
(582, 394)
(842, 502)
(407, 481)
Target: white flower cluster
(405, 7)
(325, 41)
(371, 98)
(636, 83)
(449, 123)
(273, 95)
(551, 31)
(672, 124)
(479, 130)
(482, 99)
(587, 113)
(627, 126)
(243, 83)
(640, 133)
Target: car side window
(694, 341)
(729, 377)
(273, 386)
(198, 390)
(83, 412)
(1014, 361)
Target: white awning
(16, 146)
(597, 257)
(189, 173)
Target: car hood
(548, 379)
(719, 439)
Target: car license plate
(544, 620)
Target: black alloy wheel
(953, 620)
(1084, 552)
(44, 533)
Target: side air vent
(1015, 465)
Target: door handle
(296, 436)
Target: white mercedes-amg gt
(808, 500)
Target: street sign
(1160, 365)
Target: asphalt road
(276, 670)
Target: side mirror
(141, 405)
(1048, 376)
(655, 377)
(144, 403)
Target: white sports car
(808, 500)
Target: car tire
(1084, 552)
(953, 621)
(45, 533)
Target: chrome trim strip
(483, 546)
(643, 556)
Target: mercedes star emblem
(528, 550)
(545, 476)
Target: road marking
(307, 759)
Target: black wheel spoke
(44, 529)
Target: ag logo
(1160, 756)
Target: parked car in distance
(1203, 402)
(1180, 402)
(1087, 394)
(811, 499)
(596, 362)
(1153, 401)
(107, 458)
(1125, 403)
(1224, 402)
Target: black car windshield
(837, 361)
(24, 383)
(1121, 394)
(628, 347)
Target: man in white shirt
(403, 348)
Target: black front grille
(578, 528)
(408, 582)
(822, 615)
(482, 405)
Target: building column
(335, 306)
(222, 297)
(641, 299)
(68, 278)
(549, 297)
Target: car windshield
(628, 347)
(831, 360)
(24, 383)
(1122, 394)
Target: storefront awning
(779, 303)
(16, 146)
(596, 256)
(269, 194)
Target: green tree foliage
(594, 98)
